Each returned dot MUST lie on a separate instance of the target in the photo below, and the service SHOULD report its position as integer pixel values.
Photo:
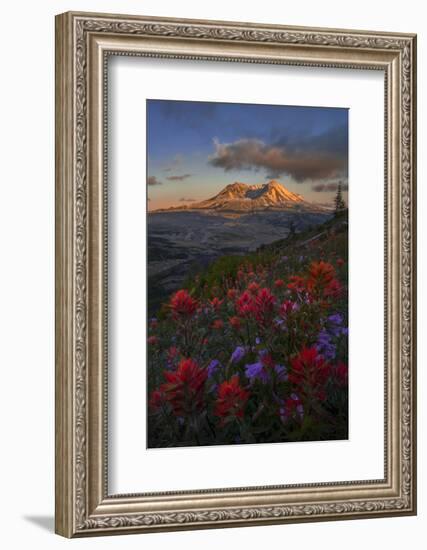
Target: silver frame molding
(83, 43)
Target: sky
(195, 149)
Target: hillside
(254, 348)
(182, 242)
(328, 239)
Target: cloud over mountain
(313, 158)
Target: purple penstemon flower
(325, 346)
(282, 372)
(260, 371)
(238, 354)
(213, 367)
(335, 319)
(335, 327)
(256, 371)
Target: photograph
(247, 273)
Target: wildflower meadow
(254, 349)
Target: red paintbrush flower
(152, 340)
(279, 283)
(292, 408)
(265, 299)
(310, 372)
(235, 322)
(264, 303)
(218, 324)
(182, 304)
(253, 287)
(156, 401)
(231, 401)
(216, 303)
(332, 289)
(245, 305)
(268, 361)
(322, 281)
(184, 388)
(231, 293)
(296, 283)
(321, 272)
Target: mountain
(238, 220)
(241, 197)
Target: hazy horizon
(195, 149)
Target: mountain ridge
(242, 197)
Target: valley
(184, 240)
(181, 243)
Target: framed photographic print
(235, 274)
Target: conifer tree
(339, 201)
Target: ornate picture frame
(84, 42)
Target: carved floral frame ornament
(83, 43)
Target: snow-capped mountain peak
(240, 196)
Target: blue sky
(196, 148)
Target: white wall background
(27, 274)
